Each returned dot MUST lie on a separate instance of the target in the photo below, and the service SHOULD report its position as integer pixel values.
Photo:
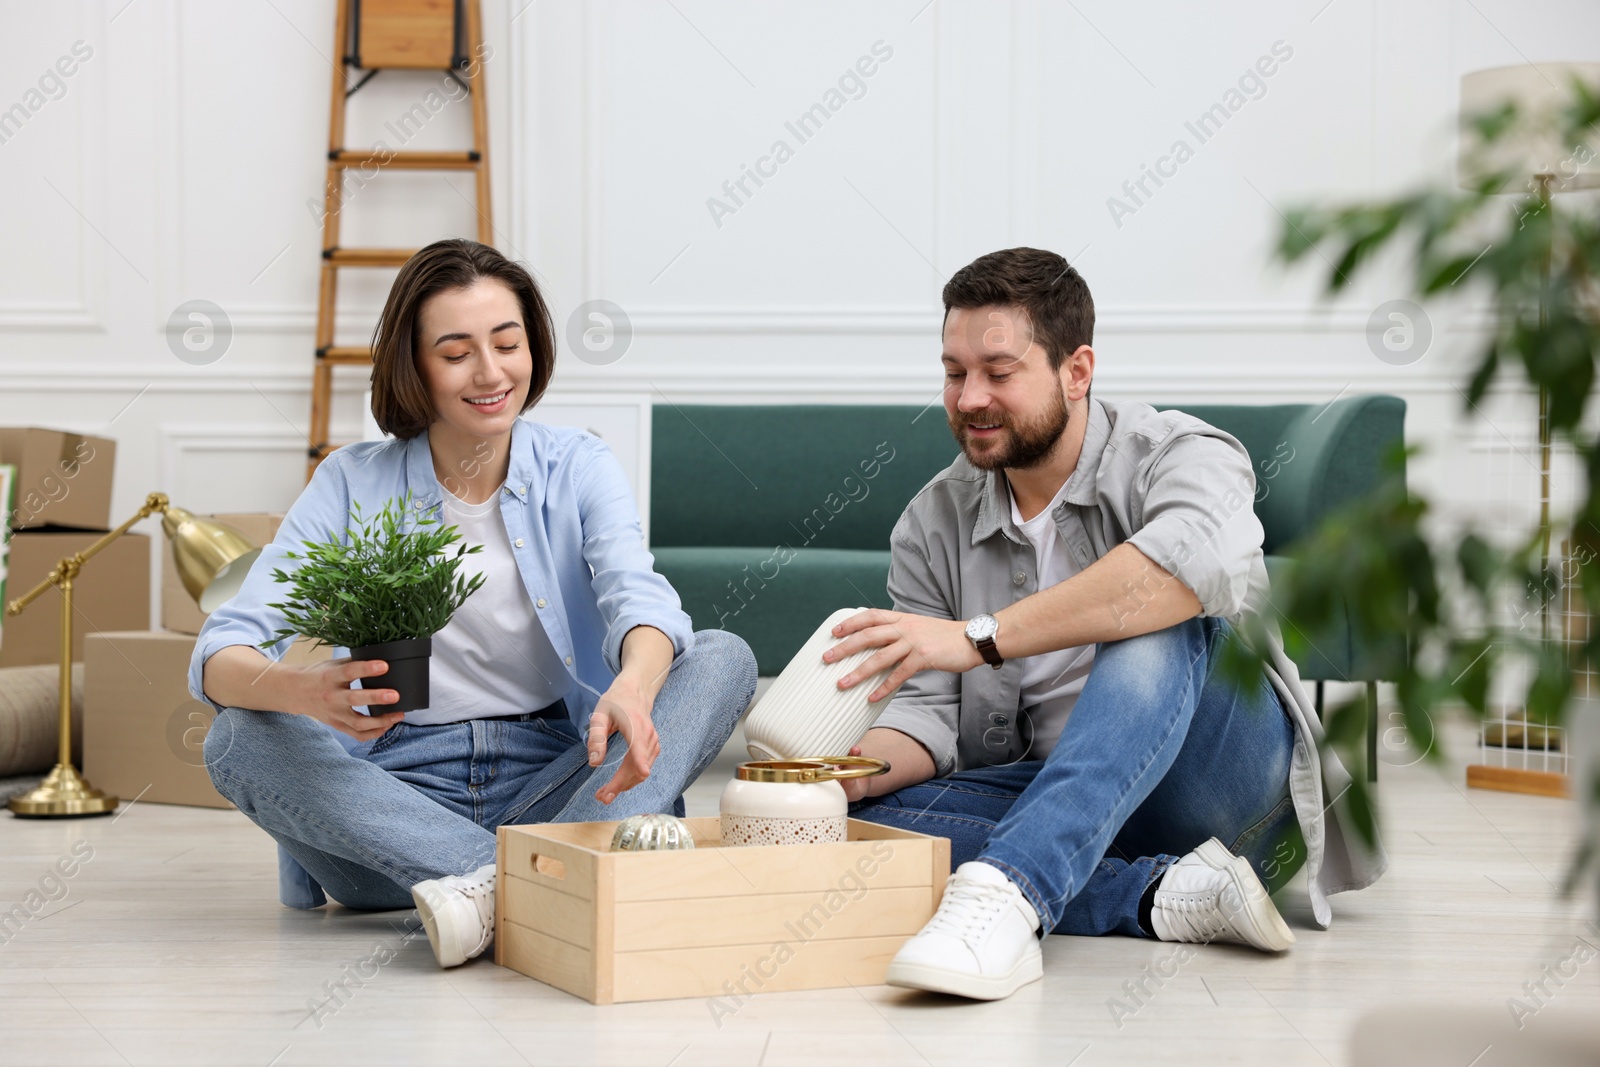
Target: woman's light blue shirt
(572, 523)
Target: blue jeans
(1158, 755)
(423, 802)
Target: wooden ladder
(372, 36)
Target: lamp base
(63, 794)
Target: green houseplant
(382, 591)
(1533, 260)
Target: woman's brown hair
(400, 402)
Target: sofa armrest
(1329, 455)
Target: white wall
(178, 162)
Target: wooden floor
(170, 948)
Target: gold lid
(811, 769)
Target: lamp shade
(212, 559)
(1535, 145)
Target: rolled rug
(30, 718)
(805, 713)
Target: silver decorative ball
(639, 833)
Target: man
(1062, 593)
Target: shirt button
(1018, 578)
(569, 661)
(519, 545)
(541, 602)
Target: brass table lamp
(212, 560)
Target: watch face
(982, 626)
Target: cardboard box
(142, 731)
(179, 612)
(112, 592)
(8, 481)
(63, 479)
(623, 926)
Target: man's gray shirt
(1182, 493)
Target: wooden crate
(712, 921)
(406, 34)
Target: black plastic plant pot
(407, 673)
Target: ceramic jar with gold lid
(791, 802)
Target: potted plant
(1531, 260)
(382, 591)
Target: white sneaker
(458, 913)
(980, 944)
(1213, 895)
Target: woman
(572, 637)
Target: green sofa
(768, 518)
(1338, 453)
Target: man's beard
(1025, 444)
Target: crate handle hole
(550, 867)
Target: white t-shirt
(1051, 681)
(493, 657)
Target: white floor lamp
(1534, 157)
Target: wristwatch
(980, 631)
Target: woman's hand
(623, 709)
(322, 691)
(908, 643)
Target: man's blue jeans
(1159, 754)
(423, 802)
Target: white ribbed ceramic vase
(805, 713)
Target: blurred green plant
(1535, 261)
(391, 579)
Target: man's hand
(909, 763)
(855, 788)
(623, 709)
(908, 643)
